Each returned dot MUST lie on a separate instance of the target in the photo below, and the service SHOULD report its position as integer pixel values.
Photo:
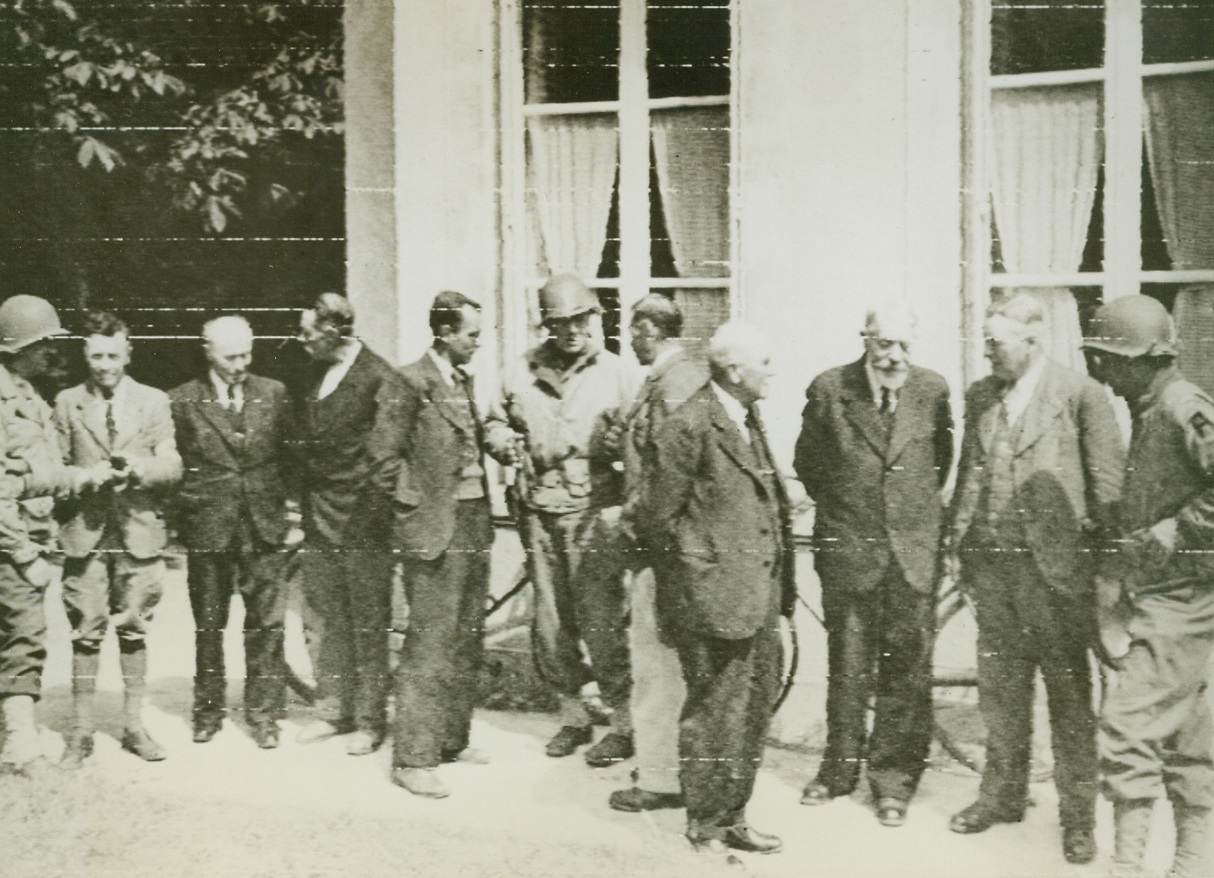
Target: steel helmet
(25, 320)
(564, 296)
(1132, 326)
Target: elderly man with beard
(874, 452)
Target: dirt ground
(229, 810)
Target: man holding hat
(32, 471)
(1156, 736)
(566, 392)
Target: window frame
(1123, 75)
(632, 109)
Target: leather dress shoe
(139, 742)
(891, 811)
(568, 739)
(322, 730)
(614, 748)
(979, 818)
(740, 837)
(265, 735)
(634, 800)
(423, 782)
(205, 730)
(79, 747)
(363, 743)
(1078, 845)
(817, 793)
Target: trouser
(438, 673)
(732, 686)
(107, 586)
(347, 611)
(578, 570)
(1025, 625)
(256, 573)
(657, 692)
(1156, 735)
(878, 642)
(22, 634)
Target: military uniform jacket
(239, 468)
(33, 472)
(145, 438)
(1170, 475)
(876, 490)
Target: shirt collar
(120, 389)
(664, 356)
(1158, 383)
(733, 408)
(348, 354)
(1017, 397)
(874, 383)
(445, 367)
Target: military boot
(21, 746)
(1132, 828)
(1192, 857)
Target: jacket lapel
(729, 438)
(859, 409)
(908, 412)
(446, 399)
(213, 412)
(1042, 409)
(92, 415)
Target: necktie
(888, 400)
(111, 426)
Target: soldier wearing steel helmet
(32, 473)
(1156, 736)
(552, 408)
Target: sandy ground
(229, 810)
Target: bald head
(228, 344)
(740, 361)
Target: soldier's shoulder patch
(1202, 425)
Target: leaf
(216, 219)
(88, 149)
(81, 72)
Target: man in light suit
(657, 680)
(1041, 467)
(719, 519)
(117, 435)
(235, 434)
(348, 448)
(875, 448)
(443, 533)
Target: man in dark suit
(1041, 465)
(657, 679)
(718, 516)
(443, 534)
(234, 433)
(875, 448)
(348, 475)
(117, 436)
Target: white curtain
(1180, 151)
(691, 149)
(1045, 157)
(572, 172)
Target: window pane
(703, 311)
(1177, 30)
(571, 50)
(691, 159)
(1179, 129)
(1033, 35)
(688, 48)
(1192, 307)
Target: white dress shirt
(338, 370)
(733, 408)
(1020, 394)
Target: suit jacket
(720, 529)
(1067, 467)
(349, 454)
(667, 386)
(238, 470)
(877, 493)
(145, 438)
(433, 426)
